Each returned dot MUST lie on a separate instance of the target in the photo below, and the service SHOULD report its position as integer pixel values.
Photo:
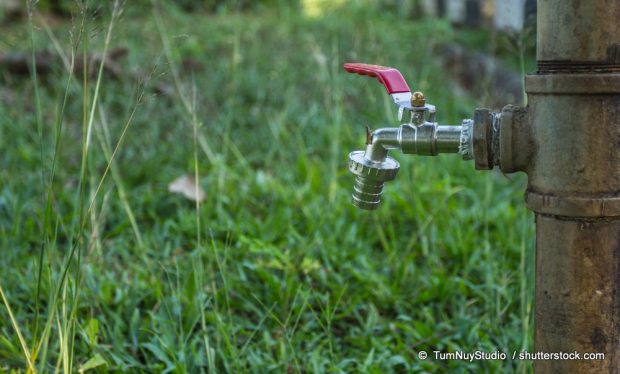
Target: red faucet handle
(391, 78)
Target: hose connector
(369, 178)
(417, 134)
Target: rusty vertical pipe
(574, 183)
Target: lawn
(275, 270)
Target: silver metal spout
(381, 141)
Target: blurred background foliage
(274, 270)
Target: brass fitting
(417, 99)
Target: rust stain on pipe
(577, 293)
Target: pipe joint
(503, 139)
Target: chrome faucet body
(420, 135)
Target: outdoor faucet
(567, 142)
(417, 134)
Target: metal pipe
(574, 182)
(448, 139)
(577, 300)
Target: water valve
(418, 134)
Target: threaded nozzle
(367, 193)
(369, 178)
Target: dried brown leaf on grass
(187, 186)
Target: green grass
(275, 270)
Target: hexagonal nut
(377, 171)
